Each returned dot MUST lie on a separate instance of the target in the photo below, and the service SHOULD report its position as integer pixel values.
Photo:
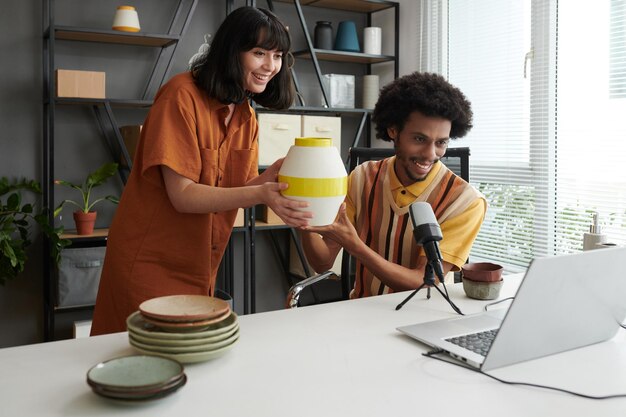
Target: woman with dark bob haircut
(197, 163)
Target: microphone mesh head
(422, 213)
(425, 225)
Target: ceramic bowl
(482, 290)
(482, 271)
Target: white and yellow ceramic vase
(315, 173)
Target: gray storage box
(79, 276)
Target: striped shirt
(385, 226)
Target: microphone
(427, 233)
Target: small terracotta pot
(84, 222)
(482, 272)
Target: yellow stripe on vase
(314, 187)
(126, 28)
(314, 142)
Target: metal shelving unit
(103, 110)
(316, 55)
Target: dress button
(214, 247)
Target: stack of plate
(136, 378)
(187, 328)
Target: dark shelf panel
(343, 56)
(260, 225)
(97, 101)
(112, 36)
(362, 6)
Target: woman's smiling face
(259, 66)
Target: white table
(340, 359)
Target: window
(547, 81)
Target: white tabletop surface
(339, 359)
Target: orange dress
(152, 249)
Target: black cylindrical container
(323, 38)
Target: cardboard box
(277, 132)
(82, 84)
(131, 135)
(239, 220)
(267, 215)
(323, 127)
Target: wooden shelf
(112, 36)
(97, 234)
(343, 56)
(362, 6)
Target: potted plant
(84, 217)
(16, 219)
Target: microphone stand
(429, 281)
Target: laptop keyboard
(476, 342)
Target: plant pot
(482, 290)
(84, 222)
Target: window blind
(591, 135)
(487, 45)
(548, 140)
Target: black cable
(432, 353)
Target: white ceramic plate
(137, 372)
(155, 341)
(183, 349)
(192, 357)
(136, 323)
(184, 307)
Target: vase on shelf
(347, 39)
(372, 40)
(323, 36)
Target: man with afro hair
(420, 113)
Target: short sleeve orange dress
(153, 250)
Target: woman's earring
(204, 48)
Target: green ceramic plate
(137, 372)
(155, 341)
(137, 324)
(142, 395)
(183, 349)
(191, 357)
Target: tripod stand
(429, 281)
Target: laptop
(563, 303)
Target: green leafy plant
(94, 179)
(16, 220)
